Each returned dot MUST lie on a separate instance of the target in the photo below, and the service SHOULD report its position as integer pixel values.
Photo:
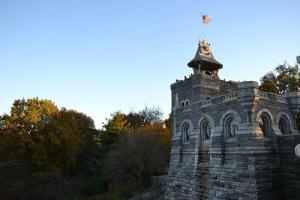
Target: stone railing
(205, 103)
(219, 99)
(206, 76)
(272, 97)
(264, 95)
(230, 97)
(185, 108)
(234, 96)
(281, 98)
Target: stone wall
(202, 176)
(290, 167)
(250, 165)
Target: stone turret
(204, 61)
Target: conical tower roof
(204, 58)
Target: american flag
(206, 19)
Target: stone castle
(230, 140)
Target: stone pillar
(293, 99)
(248, 94)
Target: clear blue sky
(98, 56)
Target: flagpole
(202, 32)
(202, 35)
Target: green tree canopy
(286, 78)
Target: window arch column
(206, 127)
(186, 128)
(284, 123)
(230, 121)
(265, 122)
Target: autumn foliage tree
(51, 153)
(141, 151)
(38, 138)
(120, 123)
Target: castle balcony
(247, 93)
(230, 97)
(272, 97)
(219, 99)
(262, 96)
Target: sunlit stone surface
(297, 150)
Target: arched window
(186, 132)
(206, 130)
(264, 122)
(231, 127)
(284, 125)
(230, 121)
(186, 102)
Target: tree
(116, 124)
(26, 119)
(134, 120)
(51, 150)
(135, 146)
(269, 83)
(287, 78)
(137, 156)
(168, 122)
(60, 155)
(42, 138)
(28, 116)
(121, 123)
(65, 143)
(151, 115)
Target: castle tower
(230, 140)
(204, 61)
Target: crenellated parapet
(248, 95)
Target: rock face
(232, 141)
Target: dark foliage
(47, 153)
